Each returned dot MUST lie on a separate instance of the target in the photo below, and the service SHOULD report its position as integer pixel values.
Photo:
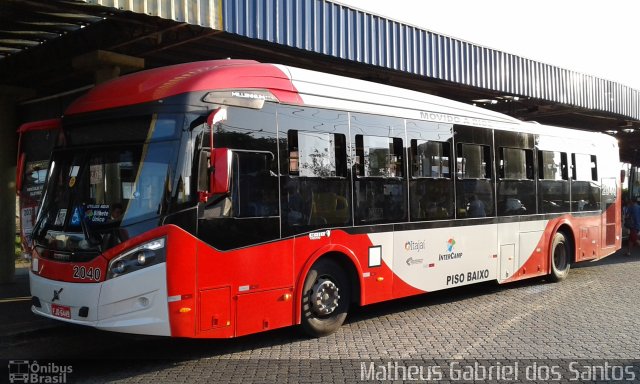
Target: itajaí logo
(414, 245)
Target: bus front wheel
(560, 257)
(325, 298)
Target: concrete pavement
(16, 318)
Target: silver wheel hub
(324, 297)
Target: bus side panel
(587, 245)
(440, 258)
(533, 241)
(181, 284)
(371, 256)
(373, 260)
(244, 291)
(587, 237)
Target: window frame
(593, 165)
(529, 170)
(396, 144)
(486, 153)
(445, 146)
(564, 166)
(339, 160)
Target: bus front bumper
(132, 303)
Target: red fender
(562, 221)
(314, 257)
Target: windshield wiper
(36, 232)
(88, 234)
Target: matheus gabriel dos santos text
(485, 371)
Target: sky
(600, 38)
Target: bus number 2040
(83, 273)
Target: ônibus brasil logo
(25, 371)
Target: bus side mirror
(214, 173)
(221, 180)
(204, 175)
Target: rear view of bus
(223, 198)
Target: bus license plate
(61, 311)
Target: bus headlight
(142, 256)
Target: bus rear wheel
(560, 257)
(325, 298)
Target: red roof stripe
(160, 83)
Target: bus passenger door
(610, 214)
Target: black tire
(560, 257)
(325, 273)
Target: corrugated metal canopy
(26, 24)
(355, 35)
(313, 34)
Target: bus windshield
(91, 195)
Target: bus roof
(322, 89)
(300, 86)
(289, 84)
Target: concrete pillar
(105, 66)
(8, 148)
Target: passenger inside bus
(116, 212)
(476, 207)
(328, 207)
(294, 203)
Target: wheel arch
(566, 229)
(343, 257)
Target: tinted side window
(552, 165)
(315, 187)
(584, 167)
(317, 154)
(254, 188)
(516, 185)
(473, 161)
(379, 156)
(585, 188)
(475, 187)
(431, 189)
(516, 164)
(249, 214)
(553, 183)
(430, 158)
(380, 186)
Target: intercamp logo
(450, 243)
(450, 254)
(25, 371)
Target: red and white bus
(35, 142)
(222, 198)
